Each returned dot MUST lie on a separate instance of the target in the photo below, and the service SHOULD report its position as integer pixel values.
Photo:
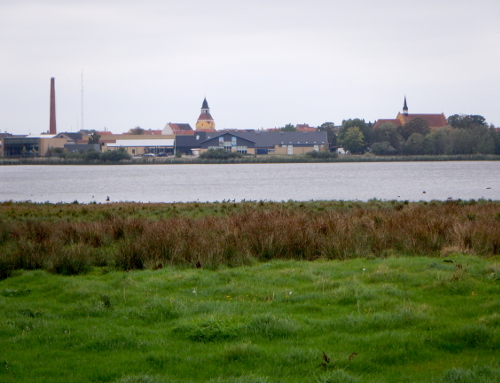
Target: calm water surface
(276, 182)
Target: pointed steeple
(405, 108)
(204, 107)
(205, 121)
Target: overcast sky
(260, 63)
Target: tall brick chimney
(52, 129)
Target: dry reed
(257, 233)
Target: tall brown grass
(248, 234)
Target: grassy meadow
(250, 292)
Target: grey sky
(259, 63)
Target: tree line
(464, 134)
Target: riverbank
(246, 160)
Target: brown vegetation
(237, 234)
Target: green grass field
(394, 319)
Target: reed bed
(71, 239)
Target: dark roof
(205, 104)
(214, 137)
(405, 107)
(266, 139)
(191, 141)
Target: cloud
(260, 63)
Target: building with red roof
(178, 129)
(434, 120)
(305, 128)
(205, 121)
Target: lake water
(272, 182)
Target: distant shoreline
(248, 160)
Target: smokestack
(52, 129)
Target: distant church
(434, 120)
(205, 121)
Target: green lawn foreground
(408, 319)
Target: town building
(205, 120)
(266, 142)
(177, 129)
(138, 144)
(305, 128)
(32, 145)
(434, 120)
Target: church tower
(205, 121)
(405, 108)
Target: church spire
(405, 108)
(205, 121)
(204, 107)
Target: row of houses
(242, 141)
(181, 138)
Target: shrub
(73, 260)
(115, 155)
(129, 256)
(383, 149)
(219, 154)
(321, 155)
(6, 269)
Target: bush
(115, 155)
(91, 155)
(219, 154)
(73, 261)
(383, 149)
(321, 155)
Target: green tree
(365, 128)
(288, 128)
(383, 148)
(495, 135)
(137, 131)
(461, 143)
(353, 140)
(466, 121)
(414, 144)
(416, 125)
(387, 133)
(484, 143)
(438, 142)
(94, 138)
(331, 132)
(23, 151)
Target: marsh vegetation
(250, 292)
